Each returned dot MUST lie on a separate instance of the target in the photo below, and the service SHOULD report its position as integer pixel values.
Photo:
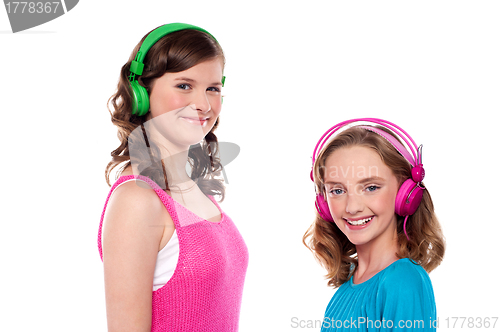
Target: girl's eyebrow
(372, 179)
(187, 79)
(365, 180)
(333, 183)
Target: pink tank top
(204, 293)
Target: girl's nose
(201, 102)
(354, 203)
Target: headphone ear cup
(140, 99)
(408, 198)
(322, 208)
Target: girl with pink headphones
(173, 260)
(375, 231)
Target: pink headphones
(410, 193)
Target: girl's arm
(130, 241)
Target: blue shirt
(398, 298)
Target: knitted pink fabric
(204, 293)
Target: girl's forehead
(356, 162)
(354, 154)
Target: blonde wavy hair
(334, 251)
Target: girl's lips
(357, 220)
(196, 121)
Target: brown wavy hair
(175, 52)
(333, 249)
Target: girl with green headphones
(173, 260)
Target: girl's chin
(184, 133)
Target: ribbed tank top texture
(205, 291)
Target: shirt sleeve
(406, 301)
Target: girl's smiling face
(361, 192)
(185, 105)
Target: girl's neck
(373, 257)
(173, 155)
(175, 166)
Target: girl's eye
(213, 89)
(184, 86)
(336, 192)
(371, 188)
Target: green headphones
(140, 102)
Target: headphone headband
(137, 65)
(414, 159)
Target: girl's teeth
(359, 222)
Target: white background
(294, 69)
